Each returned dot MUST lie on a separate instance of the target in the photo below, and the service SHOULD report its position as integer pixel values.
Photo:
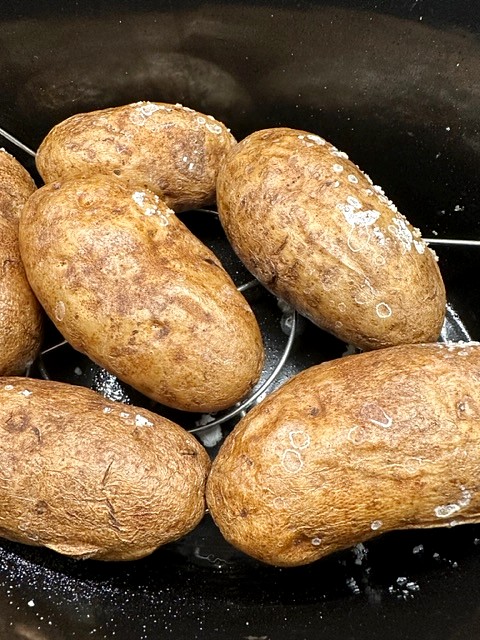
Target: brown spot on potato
(41, 507)
(17, 423)
(467, 408)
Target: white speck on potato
(214, 128)
(342, 307)
(354, 202)
(369, 192)
(360, 218)
(124, 414)
(376, 524)
(316, 542)
(336, 184)
(148, 108)
(339, 154)
(316, 139)
(420, 246)
(356, 435)
(383, 310)
(446, 510)
(59, 311)
(378, 189)
(454, 523)
(292, 461)
(142, 421)
(378, 233)
(338, 324)
(352, 178)
(185, 158)
(107, 409)
(190, 166)
(139, 197)
(8, 387)
(299, 439)
(401, 232)
(337, 168)
(26, 393)
(201, 120)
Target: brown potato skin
(128, 284)
(20, 313)
(359, 271)
(93, 478)
(350, 449)
(169, 149)
(16, 186)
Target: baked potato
(93, 478)
(128, 284)
(169, 149)
(16, 186)
(315, 231)
(20, 313)
(352, 448)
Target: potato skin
(16, 186)
(93, 478)
(20, 313)
(315, 231)
(128, 284)
(169, 149)
(352, 448)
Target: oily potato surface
(169, 149)
(316, 232)
(20, 313)
(129, 285)
(350, 449)
(92, 478)
(16, 186)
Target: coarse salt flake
(141, 421)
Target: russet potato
(92, 478)
(316, 232)
(169, 149)
(20, 312)
(128, 284)
(352, 448)
(16, 186)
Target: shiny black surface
(396, 85)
